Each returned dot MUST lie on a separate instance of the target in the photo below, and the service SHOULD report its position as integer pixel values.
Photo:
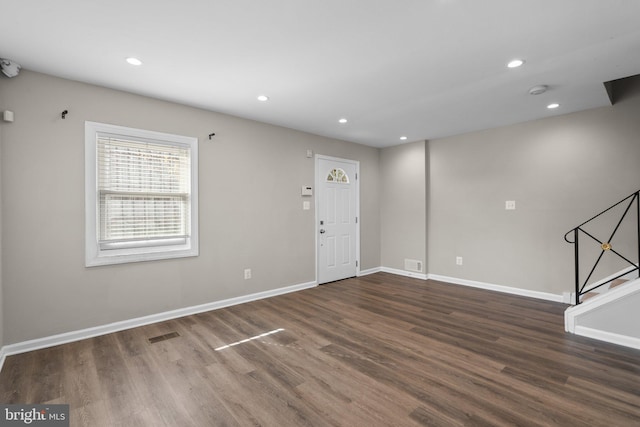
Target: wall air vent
(413, 265)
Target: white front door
(337, 218)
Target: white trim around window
(141, 195)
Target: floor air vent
(164, 337)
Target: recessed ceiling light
(263, 98)
(343, 120)
(403, 138)
(552, 106)
(134, 61)
(515, 63)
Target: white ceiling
(420, 68)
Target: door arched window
(338, 175)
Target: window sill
(110, 257)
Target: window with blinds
(144, 198)
(144, 191)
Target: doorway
(337, 222)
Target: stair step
(617, 282)
(593, 294)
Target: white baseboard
(569, 297)
(45, 342)
(2, 357)
(609, 337)
(499, 288)
(369, 271)
(472, 283)
(405, 273)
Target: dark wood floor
(380, 350)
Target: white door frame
(318, 179)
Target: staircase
(607, 285)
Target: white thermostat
(307, 191)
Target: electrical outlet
(458, 260)
(510, 205)
(247, 273)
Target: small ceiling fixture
(403, 138)
(263, 98)
(343, 120)
(553, 106)
(134, 61)
(538, 90)
(9, 68)
(515, 63)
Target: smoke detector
(9, 68)
(537, 90)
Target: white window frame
(96, 254)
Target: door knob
(322, 231)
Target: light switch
(306, 205)
(510, 205)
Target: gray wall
(403, 195)
(427, 201)
(250, 209)
(559, 170)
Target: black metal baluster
(606, 246)
(577, 264)
(638, 222)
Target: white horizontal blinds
(143, 190)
